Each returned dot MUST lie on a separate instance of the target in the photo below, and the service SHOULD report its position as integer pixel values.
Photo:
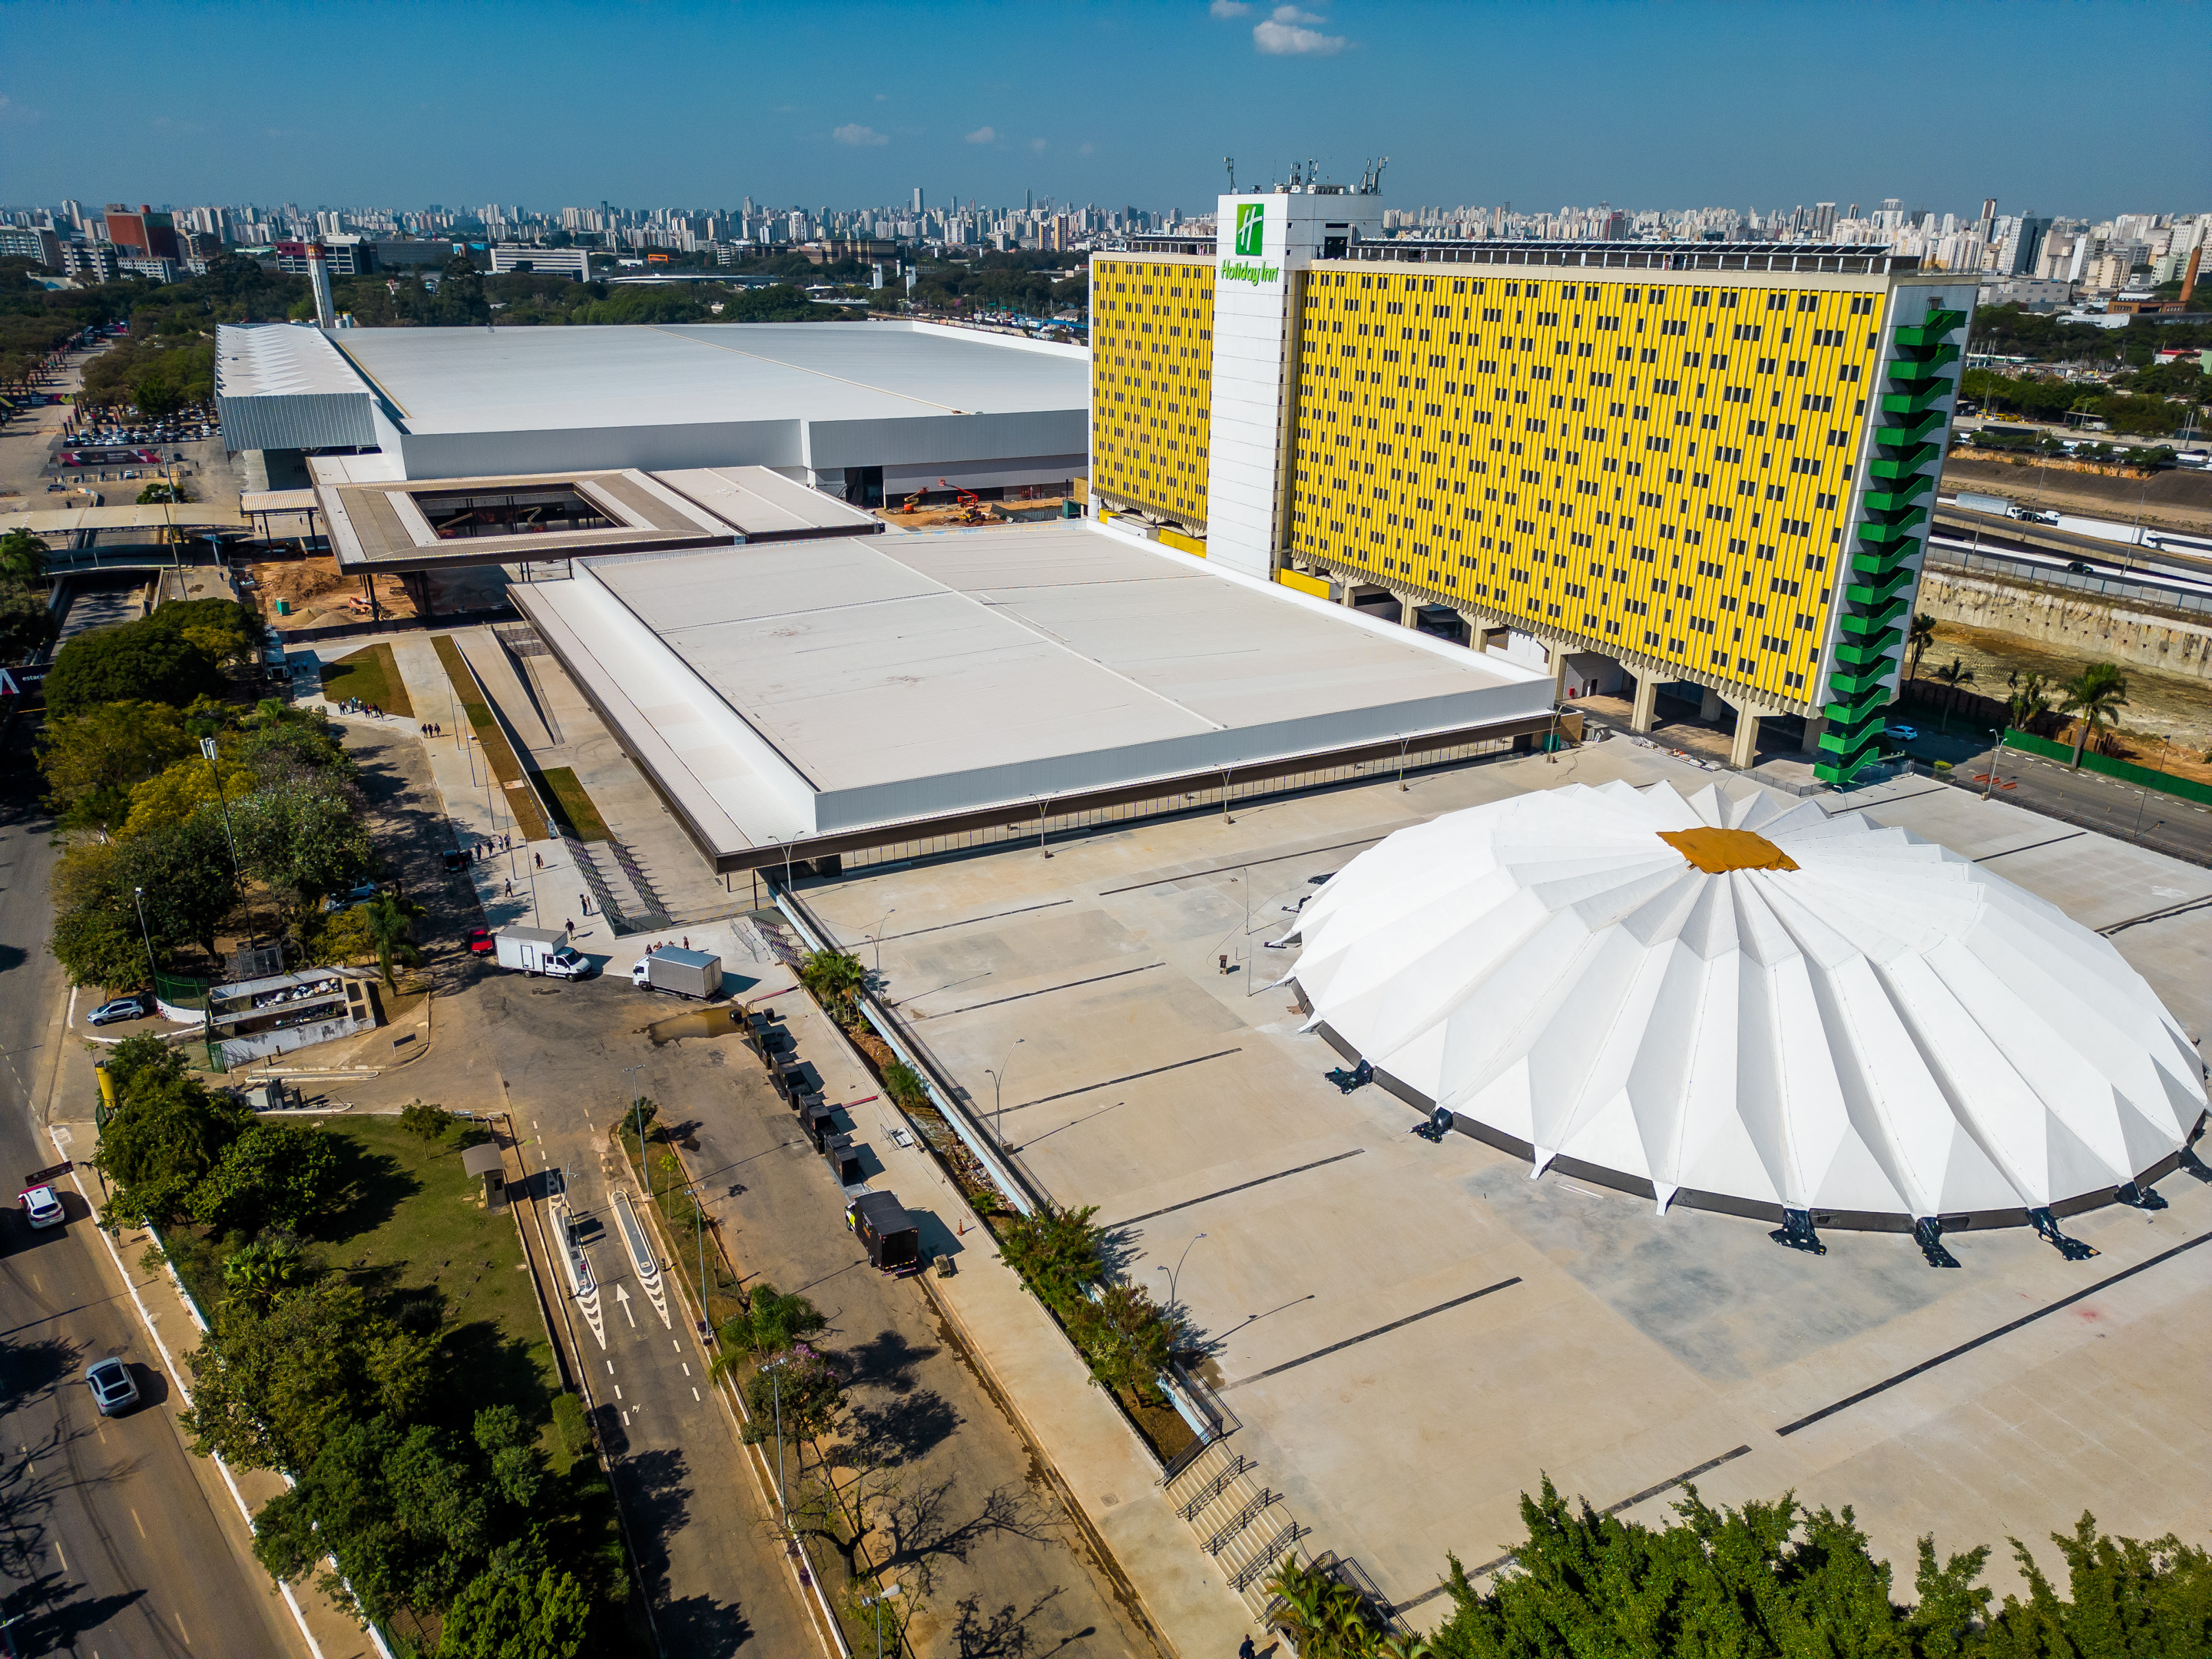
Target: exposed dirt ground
(936, 517)
(320, 596)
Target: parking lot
(1413, 1336)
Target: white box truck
(691, 974)
(539, 951)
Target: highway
(115, 1541)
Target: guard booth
(485, 1163)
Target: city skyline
(973, 101)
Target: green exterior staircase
(1907, 433)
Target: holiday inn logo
(1251, 216)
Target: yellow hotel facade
(1670, 463)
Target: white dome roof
(1880, 1029)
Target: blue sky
(2074, 109)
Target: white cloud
(1087, 149)
(1038, 144)
(984, 135)
(1229, 9)
(1284, 35)
(853, 133)
(883, 98)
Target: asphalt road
(2150, 818)
(112, 1539)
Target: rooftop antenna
(1230, 161)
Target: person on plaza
(569, 925)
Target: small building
(486, 1163)
(255, 1019)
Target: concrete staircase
(1240, 1522)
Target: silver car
(112, 1390)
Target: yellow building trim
(1312, 585)
(1181, 543)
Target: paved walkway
(1103, 1472)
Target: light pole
(1174, 1272)
(998, 1088)
(637, 1121)
(1997, 754)
(878, 937)
(138, 898)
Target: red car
(480, 941)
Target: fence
(2127, 771)
(2042, 575)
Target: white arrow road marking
(622, 1295)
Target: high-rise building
(1709, 463)
(148, 234)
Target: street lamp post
(138, 898)
(877, 936)
(998, 1092)
(1174, 1273)
(1997, 754)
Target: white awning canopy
(1811, 1012)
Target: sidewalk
(1106, 1475)
(176, 1328)
(546, 884)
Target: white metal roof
(462, 380)
(764, 505)
(1885, 1028)
(807, 686)
(279, 359)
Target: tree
(101, 947)
(1918, 638)
(161, 491)
(23, 557)
(167, 1135)
(256, 1273)
(2030, 699)
(1769, 1578)
(771, 1323)
(797, 1389)
(184, 881)
(305, 838)
(134, 660)
(272, 1385)
(274, 1175)
(1953, 675)
(503, 1616)
(182, 788)
(2094, 697)
(833, 977)
(27, 623)
(93, 761)
(2128, 1598)
(390, 921)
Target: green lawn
(371, 674)
(415, 1228)
(497, 752)
(571, 806)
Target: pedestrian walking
(1244, 1649)
(538, 859)
(508, 890)
(569, 925)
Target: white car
(42, 1206)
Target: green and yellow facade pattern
(1714, 474)
(1151, 369)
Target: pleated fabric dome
(1754, 1005)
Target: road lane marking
(618, 1392)
(136, 1523)
(611, 1368)
(687, 1368)
(695, 1394)
(58, 1551)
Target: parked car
(112, 1390)
(130, 1007)
(480, 941)
(1905, 733)
(351, 897)
(2081, 568)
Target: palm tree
(1953, 675)
(1918, 638)
(2094, 697)
(390, 921)
(2027, 702)
(833, 977)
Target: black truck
(881, 1223)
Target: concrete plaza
(1413, 1336)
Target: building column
(1646, 710)
(1710, 707)
(1477, 626)
(1409, 611)
(1743, 753)
(1814, 726)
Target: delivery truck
(691, 974)
(1971, 500)
(881, 1223)
(539, 951)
